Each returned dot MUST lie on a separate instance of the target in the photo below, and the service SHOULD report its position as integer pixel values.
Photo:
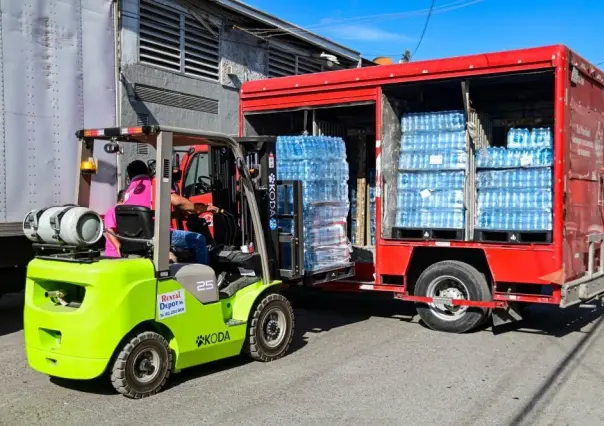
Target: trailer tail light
(91, 133)
(131, 131)
(112, 132)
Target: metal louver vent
(166, 169)
(142, 149)
(281, 64)
(159, 38)
(308, 65)
(142, 120)
(175, 99)
(202, 50)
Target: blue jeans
(191, 240)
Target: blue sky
(457, 27)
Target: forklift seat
(137, 222)
(134, 222)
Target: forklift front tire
(142, 365)
(271, 329)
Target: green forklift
(139, 318)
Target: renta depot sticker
(170, 304)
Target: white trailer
(57, 75)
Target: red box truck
(458, 279)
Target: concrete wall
(241, 55)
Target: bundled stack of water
(515, 183)
(432, 164)
(319, 162)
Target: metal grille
(142, 120)
(175, 99)
(178, 42)
(281, 64)
(308, 65)
(202, 50)
(159, 36)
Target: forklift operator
(139, 193)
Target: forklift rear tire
(457, 280)
(142, 365)
(271, 329)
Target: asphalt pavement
(355, 360)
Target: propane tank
(81, 226)
(72, 225)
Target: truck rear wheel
(271, 329)
(142, 366)
(455, 280)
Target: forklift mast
(285, 250)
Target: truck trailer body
(546, 86)
(57, 73)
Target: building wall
(212, 105)
(183, 95)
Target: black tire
(126, 367)
(262, 327)
(472, 282)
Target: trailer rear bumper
(582, 290)
(591, 285)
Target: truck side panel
(50, 87)
(584, 158)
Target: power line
(372, 18)
(421, 38)
(449, 7)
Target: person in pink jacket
(112, 244)
(139, 193)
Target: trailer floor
(369, 363)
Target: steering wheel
(202, 186)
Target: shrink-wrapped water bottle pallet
(513, 237)
(428, 234)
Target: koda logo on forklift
(272, 192)
(210, 339)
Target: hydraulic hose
(133, 240)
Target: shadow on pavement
(318, 312)
(543, 396)
(99, 386)
(553, 321)
(315, 312)
(11, 313)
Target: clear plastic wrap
(519, 198)
(431, 171)
(499, 158)
(431, 218)
(319, 162)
